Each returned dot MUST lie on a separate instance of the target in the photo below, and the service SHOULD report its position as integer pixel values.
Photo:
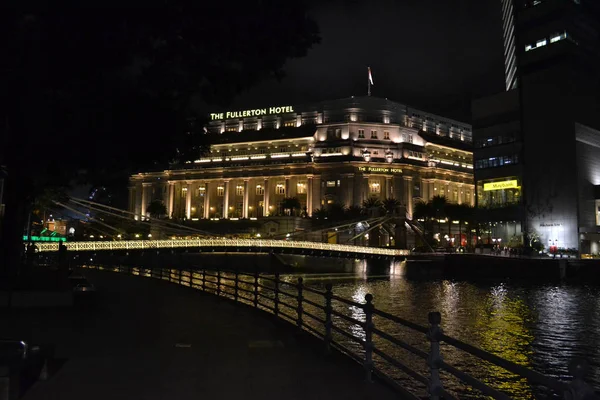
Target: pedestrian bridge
(241, 245)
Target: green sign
(257, 112)
(45, 239)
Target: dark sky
(432, 54)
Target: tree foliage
(96, 91)
(156, 209)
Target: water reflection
(540, 327)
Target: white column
(266, 198)
(408, 194)
(424, 190)
(226, 200)
(460, 193)
(188, 201)
(145, 198)
(131, 203)
(171, 198)
(388, 187)
(309, 195)
(287, 187)
(206, 201)
(246, 194)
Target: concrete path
(148, 339)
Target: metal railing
(260, 244)
(320, 313)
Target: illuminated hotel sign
(381, 170)
(512, 184)
(257, 112)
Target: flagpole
(368, 81)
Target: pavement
(148, 339)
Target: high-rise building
(537, 145)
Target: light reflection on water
(538, 326)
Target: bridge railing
(259, 244)
(368, 335)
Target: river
(540, 326)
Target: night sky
(434, 54)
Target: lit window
(280, 188)
(239, 190)
(361, 133)
(290, 124)
(301, 188)
(220, 191)
(375, 187)
(386, 135)
(330, 183)
(541, 42)
(260, 190)
(373, 134)
(339, 183)
(557, 37)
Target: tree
(156, 209)
(373, 206)
(336, 211)
(95, 82)
(320, 213)
(291, 204)
(391, 205)
(438, 205)
(354, 212)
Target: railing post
(368, 364)
(218, 283)
(236, 285)
(276, 295)
(578, 388)
(328, 323)
(204, 280)
(256, 288)
(435, 383)
(299, 309)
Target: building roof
(446, 141)
(264, 134)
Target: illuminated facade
(537, 145)
(341, 151)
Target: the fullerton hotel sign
(257, 112)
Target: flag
(370, 77)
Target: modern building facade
(537, 145)
(342, 151)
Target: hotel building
(537, 145)
(342, 151)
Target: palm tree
(438, 205)
(320, 213)
(391, 205)
(466, 215)
(156, 209)
(372, 205)
(336, 211)
(354, 212)
(290, 203)
(452, 213)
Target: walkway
(147, 339)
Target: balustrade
(338, 323)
